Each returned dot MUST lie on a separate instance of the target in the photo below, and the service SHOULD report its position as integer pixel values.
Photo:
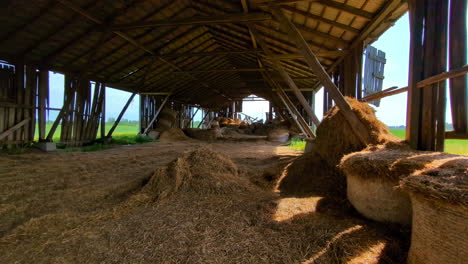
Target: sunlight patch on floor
(322, 252)
(291, 207)
(371, 255)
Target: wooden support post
(426, 107)
(296, 36)
(457, 58)
(42, 101)
(295, 114)
(117, 121)
(103, 111)
(150, 124)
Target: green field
(120, 130)
(454, 146)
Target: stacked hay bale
(166, 119)
(439, 196)
(373, 174)
(335, 137)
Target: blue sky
(392, 110)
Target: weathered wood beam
(320, 18)
(421, 84)
(223, 70)
(46, 60)
(210, 53)
(117, 121)
(289, 81)
(150, 124)
(12, 129)
(357, 126)
(329, 3)
(457, 58)
(368, 29)
(43, 91)
(13, 32)
(198, 20)
(455, 135)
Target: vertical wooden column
(28, 102)
(43, 95)
(16, 115)
(428, 48)
(103, 111)
(457, 59)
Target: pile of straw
(172, 135)
(204, 134)
(336, 138)
(278, 135)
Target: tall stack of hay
(335, 138)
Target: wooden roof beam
(320, 18)
(329, 3)
(46, 60)
(198, 20)
(224, 70)
(369, 28)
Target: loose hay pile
(173, 135)
(439, 196)
(204, 134)
(200, 208)
(336, 138)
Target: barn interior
(229, 189)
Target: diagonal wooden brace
(357, 126)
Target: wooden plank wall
(428, 57)
(81, 120)
(18, 90)
(149, 104)
(457, 59)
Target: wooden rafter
(198, 20)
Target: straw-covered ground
(182, 202)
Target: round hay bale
(371, 177)
(439, 233)
(278, 135)
(153, 134)
(439, 195)
(378, 200)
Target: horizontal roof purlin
(196, 48)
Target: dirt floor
(89, 207)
